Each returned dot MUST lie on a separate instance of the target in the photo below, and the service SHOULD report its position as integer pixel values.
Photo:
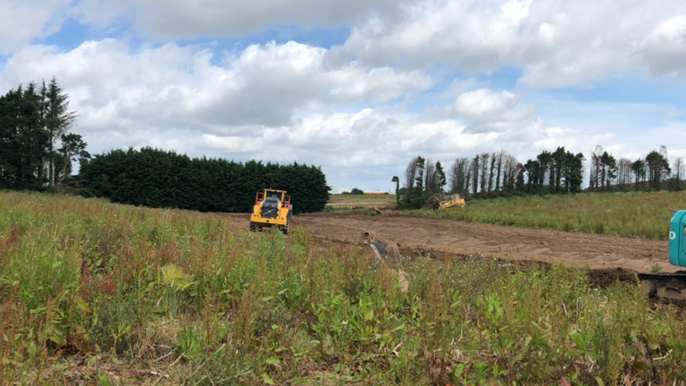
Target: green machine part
(677, 238)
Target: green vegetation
(95, 292)
(33, 121)
(355, 198)
(369, 212)
(158, 178)
(424, 182)
(358, 201)
(635, 214)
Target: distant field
(635, 214)
(361, 200)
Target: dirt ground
(609, 258)
(438, 236)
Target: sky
(359, 87)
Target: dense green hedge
(158, 178)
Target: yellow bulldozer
(272, 208)
(455, 200)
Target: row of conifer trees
(159, 178)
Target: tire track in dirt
(451, 237)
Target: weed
(369, 212)
(181, 295)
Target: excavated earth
(609, 258)
(436, 236)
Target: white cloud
(21, 21)
(664, 50)
(484, 102)
(388, 94)
(170, 19)
(372, 137)
(556, 42)
(158, 91)
(485, 110)
(277, 103)
(377, 85)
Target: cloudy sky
(359, 86)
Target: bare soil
(609, 258)
(439, 237)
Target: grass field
(97, 293)
(635, 214)
(348, 201)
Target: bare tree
(429, 174)
(411, 174)
(499, 167)
(491, 170)
(484, 169)
(594, 179)
(432, 179)
(678, 171)
(510, 172)
(458, 174)
(624, 172)
(468, 176)
(475, 174)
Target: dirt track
(439, 237)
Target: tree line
(158, 178)
(489, 175)
(37, 152)
(647, 173)
(36, 148)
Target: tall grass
(94, 292)
(635, 214)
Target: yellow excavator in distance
(272, 208)
(455, 200)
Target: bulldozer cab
(272, 209)
(272, 197)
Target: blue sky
(359, 87)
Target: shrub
(158, 178)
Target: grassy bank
(636, 214)
(94, 292)
(350, 201)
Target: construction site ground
(608, 257)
